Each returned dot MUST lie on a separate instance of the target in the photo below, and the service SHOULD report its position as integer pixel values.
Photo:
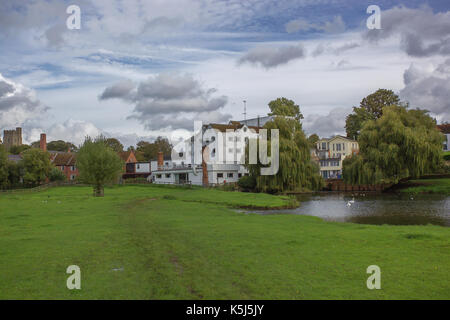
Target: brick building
(12, 138)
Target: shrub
(247, 183)
(56, 175)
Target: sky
(139, 69)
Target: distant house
(445, 129)
(14, 158)
(66, 162)
(330, 152)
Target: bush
(56, 175)
(247, 183)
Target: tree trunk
(99, 191)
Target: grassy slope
(429, 186)
(173, 249)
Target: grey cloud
(169, 101)
(119, 90)
(422, 32)
(428, 90)
(328, 124)
(322, 49)
(18, 104)
(335, 26)
(5, 88)
(269, 57)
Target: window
(167, 175)
(238, 138)
(239, 175)
(230, 150)
(230, 138)
(230, 175)
(324, 145)
(167, 164)
(238, 150)
(220, 175)
(138, 166)
(180, 154)
(72, 177)
(246, 174)
(338, 147)
(158, 176)
(73, 168)
(343, 146)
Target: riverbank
(162, 242)
(441, 186)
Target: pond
(392, 208)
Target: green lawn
(175, 243)
(441, 185)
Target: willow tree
(296, 169)
(98, 164)
(370, 108)
(401, 143)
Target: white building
(445, 129)
(221, 159)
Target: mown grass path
(154, 242)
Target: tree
(114, 144)
(149, 150)
(3, 167)
(98, 164)
(56, 175)
(312, 140)
(296, 170)
(60, 145)
(285, 107)
(36, 166)
(18, 149)
(400, 144)
(370, 108)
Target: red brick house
(66, 162)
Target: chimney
(160, 159)
(43, 142)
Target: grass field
(429, 186)
(153, 242)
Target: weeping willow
(296, 170)
(402, 143)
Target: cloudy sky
(141, 68)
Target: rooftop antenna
(245, 110)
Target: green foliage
(446, 156)
(114, 144)
(149, 150)
(312, 140)
(247, 183)
(3, 167)
(98, 164)
(36, 166)
(296, 170)
(18, 149)
(401, 143)
(60, 145)
(370, 108)
(56, 175)
(285, 107)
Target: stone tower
(12, 138)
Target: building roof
(65, 159)
(335, 137)
(124, 155)
(444, 128)
(233, 125)
(14, 157)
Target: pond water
(394, 209)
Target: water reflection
(394, 209)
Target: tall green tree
(3, 167)
(114, 144)
(370, 108)
(98, 164)
(401, 143)
(149, 150)
(60, 145)
(296, 169)
(36, 166)
(285, 107)
(312, 140)
(18, 149)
